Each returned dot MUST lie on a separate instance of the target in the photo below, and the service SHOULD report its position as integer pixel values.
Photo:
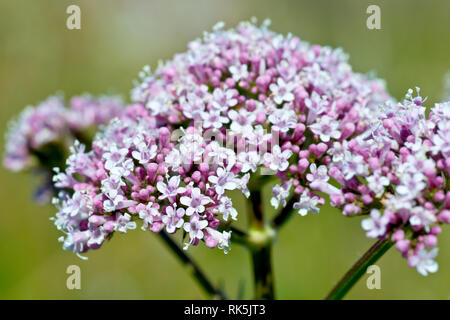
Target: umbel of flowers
(239, 105)
(51, 122)
(41, 135)
(237, 101)
(397, 173)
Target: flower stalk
(262, 273)
(284, 215)
(197, 273)
(359, 268)
(260, 244)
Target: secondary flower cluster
(397, 172)
(127, 175)
(42, 133)
(237, 101)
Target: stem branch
(359, 268)
(197, 273)
(286, 212)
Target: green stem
(197, 273)
(256, 214)
(285, 214)
(239, 237)
(260, 244)
(359, 268)
(262, 273)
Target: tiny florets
(397, 173)
(51, 123)
(40, 137)
(237, 101)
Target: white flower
(282, 91)
(213, 119)
(117, 203)
(280, 194)
(338, 151)
(114, 156)
(220, 155)
(441, 139)
(242, 184)
(195, 227)
(123, 223)
(353, 165)
(424, 261)
(191, 152)
(222, 100)
(411, 184)
(316, 105)
(173, 218)
(249, 160)
(174, 159)
(376, 224)
(307, 204)
(79, 207)
(283, 119)
(149, 215)
(123, 169)
(422, 217)
(224, 180)
(111, 186)
(377, 183)
(242, 121)
(171, 189)
(222, 238)
(239, 72)
(286, 70)
(159, 103)
(226, 208)
(318, 177)
(419, 161)
(326, 128)
(76, 241)
(96, 236)
(144, 153)
(192, 106)
(277, 160)
(195, 202)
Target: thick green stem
(260, 244)
(358, 269)
(197, 273)
(262, 273)
(256, 213)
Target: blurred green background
(39, 56)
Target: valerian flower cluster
(40, 131)
(239, 104)
(398, 173)
(39, 138)
(236, 101)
